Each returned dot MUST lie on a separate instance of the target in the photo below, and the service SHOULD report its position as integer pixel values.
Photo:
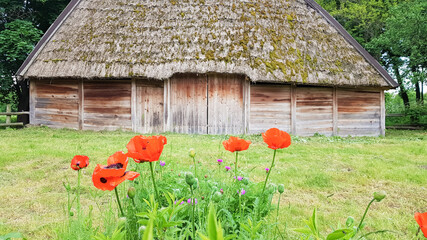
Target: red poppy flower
(276, 138)
(79, 162)
(108, 177)
(236, 144)
(146, 149)
(421, 219)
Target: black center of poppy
(114, 166)
(103, 180)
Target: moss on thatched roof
(267, 40)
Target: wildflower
(189, 178)
(146, 149)
(276, 138)
(162, 163)
(242, 192)
(221, 191)
(267, 169)
(236, 144)
(421, 219)
(239, 178)
(219, 161)
(108, 177)
(206, 176)
(79, 162)
(227, 168)
(189, 201)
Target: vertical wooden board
(314, 111)
(188, 103)
(225, 104)
(150, 102)
(359, 112)
(55, 103)
(107, 105)
(382, 105)
(270, 106)
(33, 95)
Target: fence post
(8, 110)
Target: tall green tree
(22, 23)
(405, 37)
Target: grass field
(336, 175)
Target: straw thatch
(267, 40)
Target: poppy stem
(118, 201)
(235, 166)
(269, 171)
(193, 203)
(277, 216)
(195, 168)
(154, 182)
(78, 191)
(364, 215)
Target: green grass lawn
(335, 175)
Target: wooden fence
(8, 114)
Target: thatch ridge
(269, 41)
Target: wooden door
(149, 106)
(188, 103)
(225, 104)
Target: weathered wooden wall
(304, 111)
(107, 105)
(270, 107)
(314, 111)
(54, 103)
(206, 104)
(359, 112)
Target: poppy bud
(196, 183)
(71, 213)
(350, 221)
(378, 196)
(271, 188)
(281, 188)
(189, 178)
(192, 152)
(131, 192)
(217, 196)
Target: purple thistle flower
(239, 178)
(219, 161)
(227, 168)
(182, 203)
(267, 169)
(189, 201)
(221, 191)
(162, 163)
(243, 191)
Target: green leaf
(11, 235)
(212, 223)
(148, 233)
(302, 230)
(340, 233)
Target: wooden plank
(335, 112)
(165, 105)
(134, 111)
(382, 106)
(81, 104)
(293, 109)
(11, 124)
(33, 95)
(225, 104)
(150, 105)
(8, 109)
(14, 113)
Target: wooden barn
(204, 66)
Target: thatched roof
(267, 40)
